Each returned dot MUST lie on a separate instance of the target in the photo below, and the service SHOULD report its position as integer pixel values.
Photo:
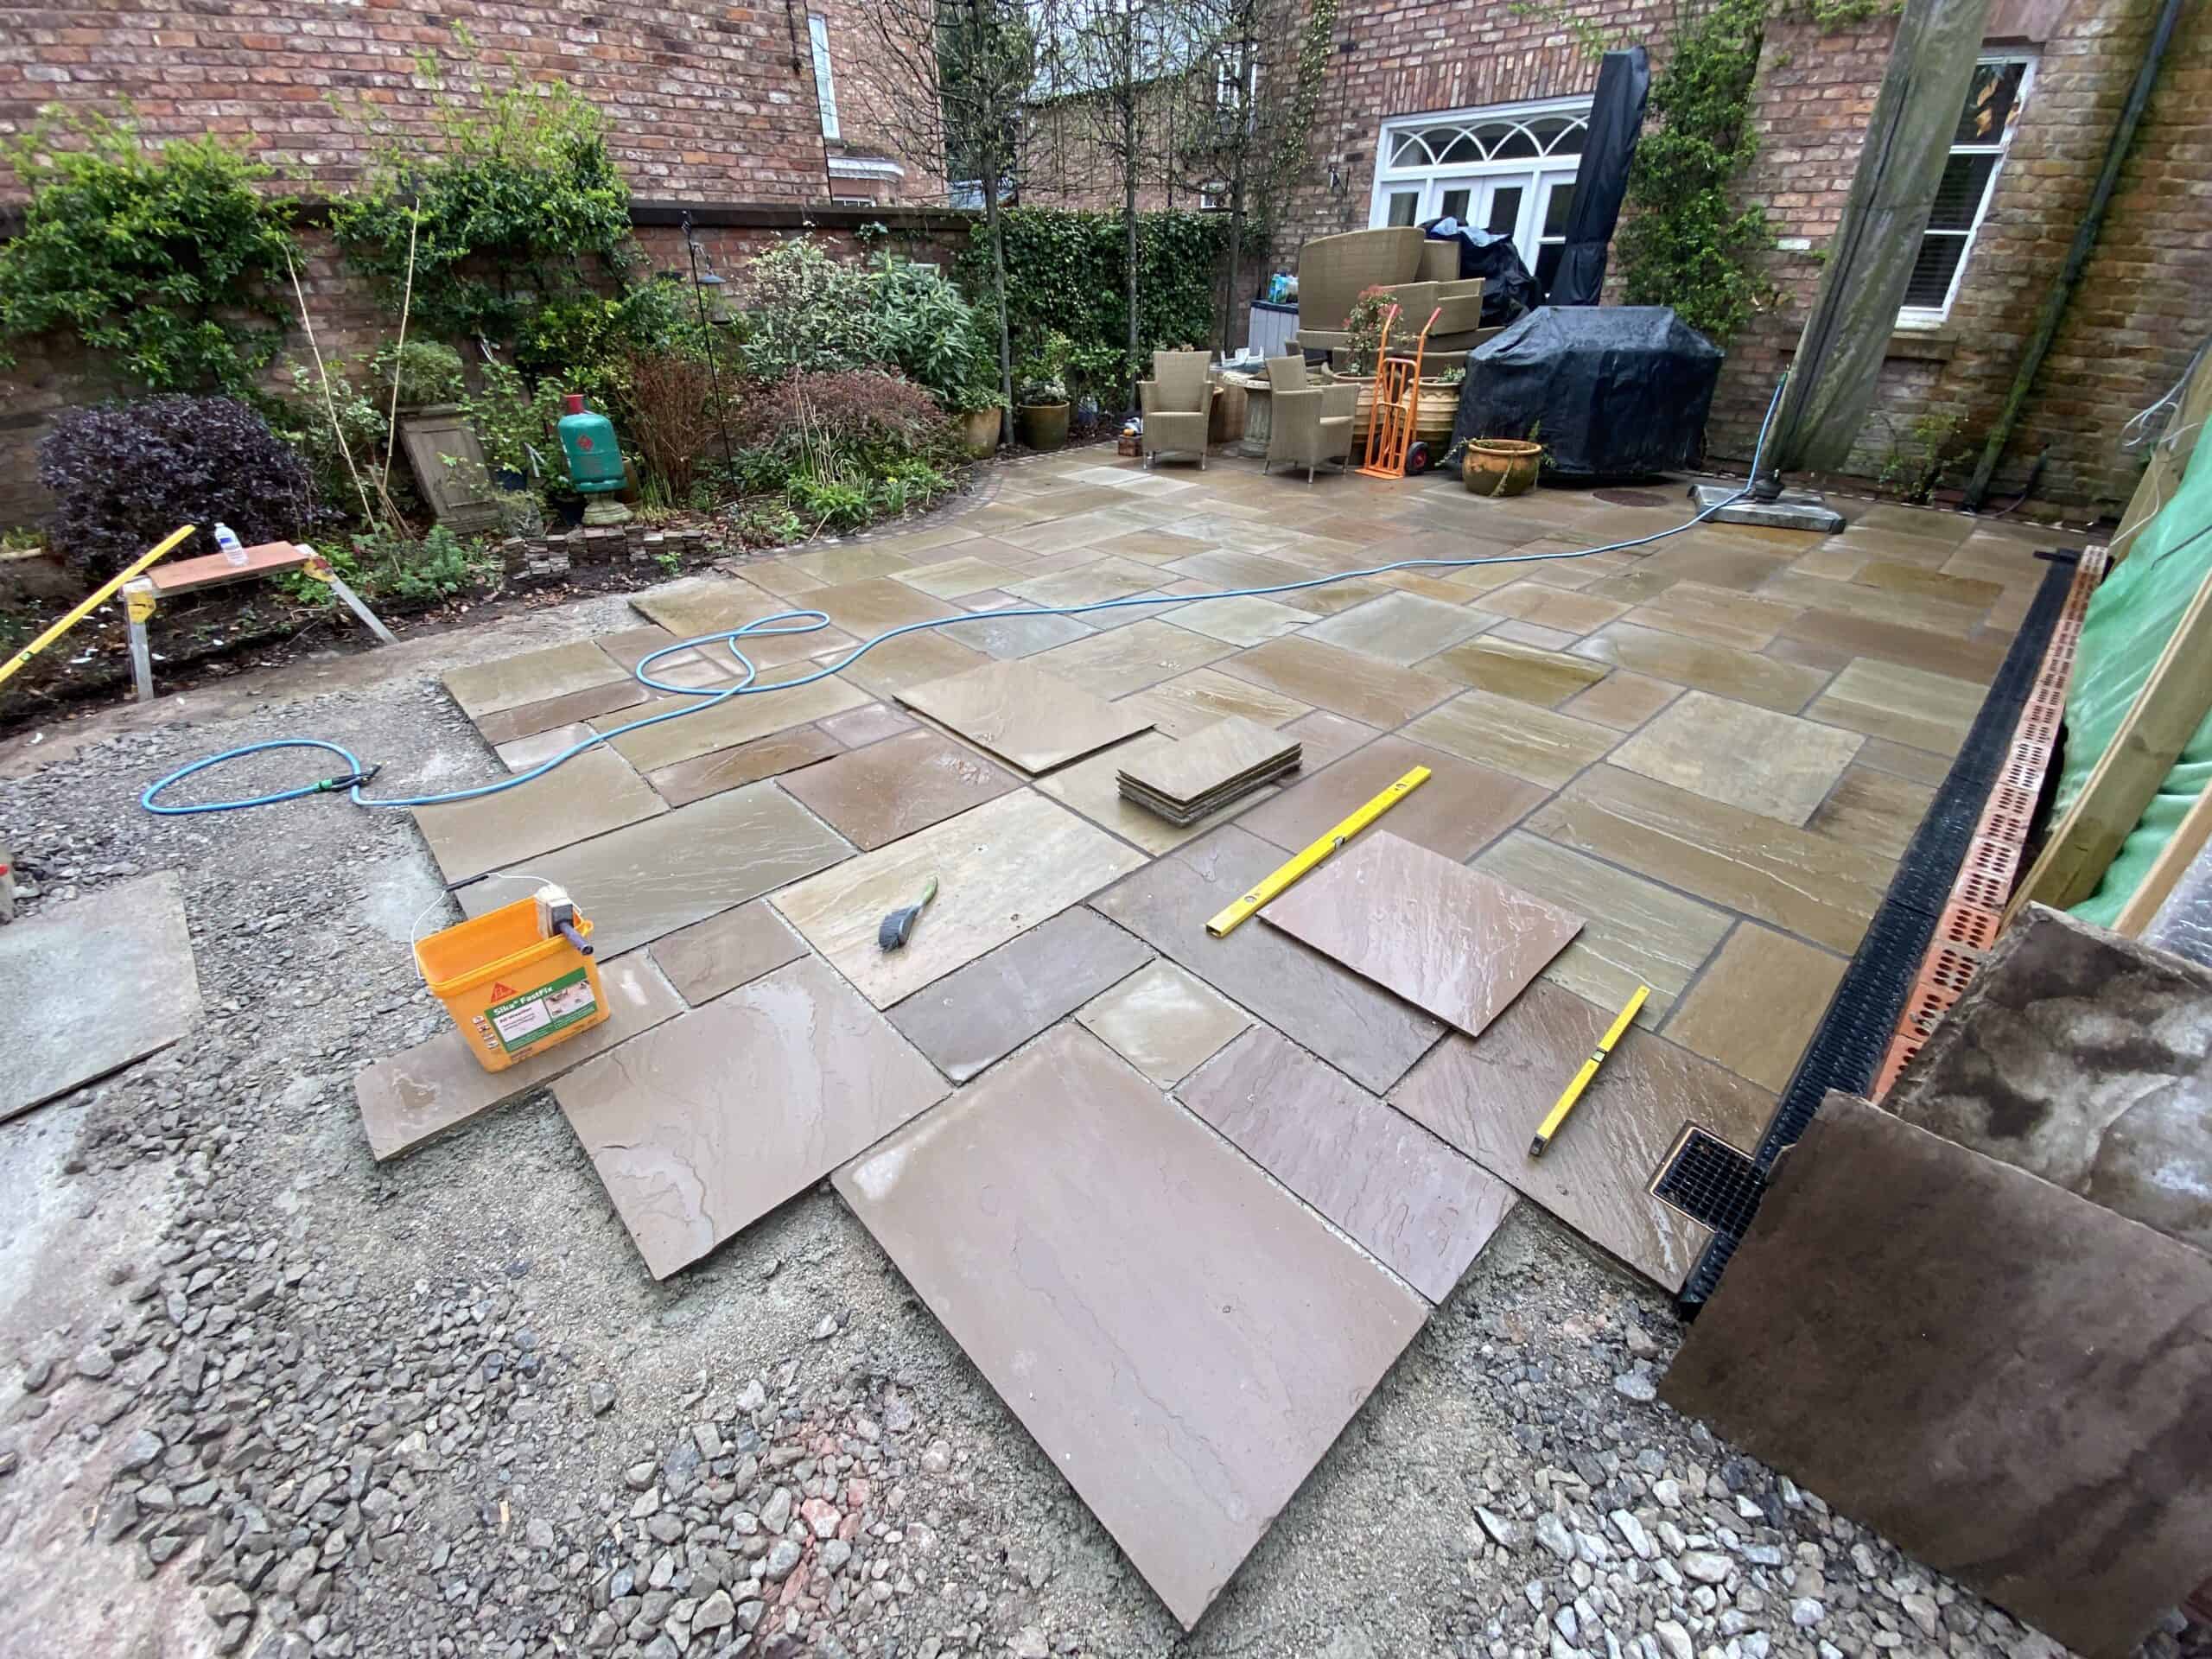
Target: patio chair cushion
(1333, 271)
(1286, 373)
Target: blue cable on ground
(355, 777)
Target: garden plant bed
(228, 631)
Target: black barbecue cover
(1606, 390)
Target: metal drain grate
(1709, 1181)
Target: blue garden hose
(355, 777)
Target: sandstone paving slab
(723, 952)
(1460, 807)
(1356, 1027)
(531, 677)
(1181, 1336)
(1758, 1003)
(413, 1096)
(1419, 1206)
(982, 1013)
(1775, 764)
(1486, 1097)
(876, 794)
(654, 876)
(1348, 682)
(91, 985)
(727, 723)
(1025, 716)
(1722, 670)
(693, 1147)
(596, 791)
(1447, 939)
(1638, 931)
(530, 719)
(1163, 1021)
(743, 763)
(1002, 869)
(1544, 746)
(1398, 627)
(2004, 1379)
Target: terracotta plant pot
(1500, 466)
(979, 432)
(1042, 426)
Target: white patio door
(1493, 202)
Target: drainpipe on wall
(2077, 258)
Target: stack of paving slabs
(1208, 771)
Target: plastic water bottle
(228, 539)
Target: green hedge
(1065, 273)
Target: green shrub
(429, 373)
(1686, 242)
(401, 571)
(1066, 274)
(150, 256)
(807, 314)
(513, 204)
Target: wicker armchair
(1312, 424)
(1175, 403)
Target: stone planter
(979, 432)
(1498, 467)
(1042, 426)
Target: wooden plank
(2165, 715)
(2158, 883)
(2170, 456)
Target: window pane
(1505, 210)
(1461, 149)
(1403, 204)
(1556, 206)
(1958, 198)
(1993, 99)
(1515, 146)
(1409, 151)
(1930, 285)
(1455, 205)
(1547, 272)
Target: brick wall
(2139, 312)
(712, 100)
(1390, 58)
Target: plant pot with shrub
(1040, 415)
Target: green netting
(2130, 620)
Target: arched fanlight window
(1450, 144)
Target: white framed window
(1508, 168)
(1994, 98)
(825, 81)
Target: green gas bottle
(587, 440)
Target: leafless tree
(1120, 69)
(949, 79)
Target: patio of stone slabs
(1713, 751)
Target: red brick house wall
(705, 99)
(1391, 58)
(2141, 311)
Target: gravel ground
(258, 1396)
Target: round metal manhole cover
(1630, 498)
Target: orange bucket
(512, 992)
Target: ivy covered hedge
(1064, 274)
